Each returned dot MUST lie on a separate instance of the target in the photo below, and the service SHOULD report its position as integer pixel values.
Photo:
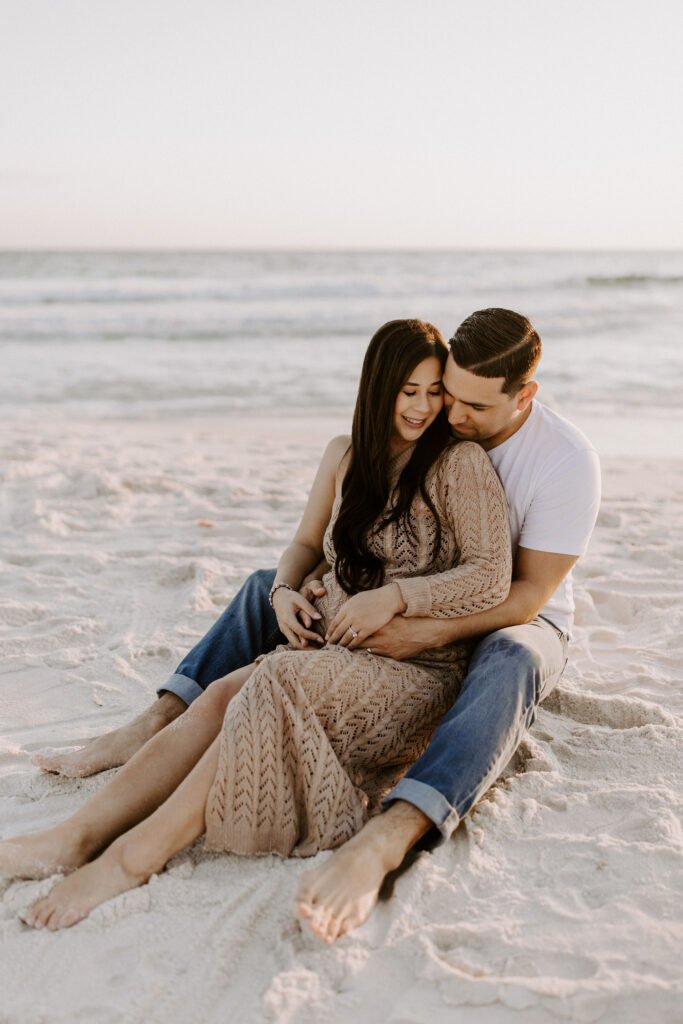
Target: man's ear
(526, 394)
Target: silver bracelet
(276, 586)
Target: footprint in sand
(459, 951)
(543, 964)
(614, 712)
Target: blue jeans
(509, 674)
(248, 627)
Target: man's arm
(537, 575)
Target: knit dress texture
(316, 738)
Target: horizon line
(191, 249)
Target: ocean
(184, 334)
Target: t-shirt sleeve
(562, 513)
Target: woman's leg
(136, 790)
(134, 857)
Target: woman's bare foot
(341, 895)
(114, 748)
(74, 897)
(134, 856)
(42, 854)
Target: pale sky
(341, 123)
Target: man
(550, 473)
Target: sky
(160, 124)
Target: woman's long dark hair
(393, 353)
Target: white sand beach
(559, 898)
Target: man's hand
(399, 639)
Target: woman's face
(418, 403)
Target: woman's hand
(363, 614)
(295, 615)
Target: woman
(312, 739)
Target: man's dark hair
(497, 343)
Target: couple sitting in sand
(414, 624)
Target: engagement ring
(353, 633)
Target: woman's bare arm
(306, 550)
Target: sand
(559, 898)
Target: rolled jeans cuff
(429, 801)
(182, 686)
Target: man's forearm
(538, 574)
(520, 606)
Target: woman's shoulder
(464, 468)
(338, 446)
(463, 463)
(337, 454)
(461, 454)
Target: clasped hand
(296, 614)
(366, 614)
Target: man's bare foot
(42, 854)
(341, 895)
(114, 748)
(74, 897)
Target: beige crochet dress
(315, 738)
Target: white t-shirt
(551, 475)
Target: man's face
(479, 410)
